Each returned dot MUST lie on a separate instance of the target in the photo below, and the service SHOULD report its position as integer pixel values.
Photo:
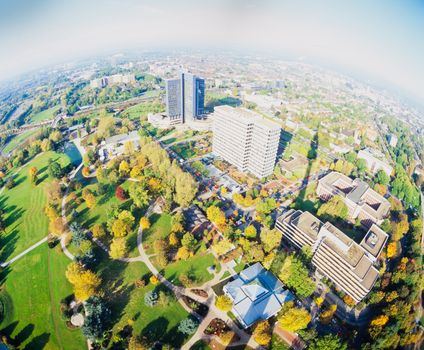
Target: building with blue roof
(256, 295)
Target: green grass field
(160, 228)
(44, 115)
(17, 140)
(155, 323)
(143, 108)
(24, 207)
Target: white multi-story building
(349, 265)
(245, 139)
(392, 139)
(375, 162)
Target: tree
(216, 215)
(380, 189)
(392, 249)
(54, 191)
(119, 229)
(118, 248)
(85, 282)
(97, 318)
(295, 275)
(327, 342)
(33, 171)
(221, 247)
(151, 298)
(183, 253)
(54, 169)
(335, 208)
(250, 231)
(144, 223)
(270, 239)
(380, 321)
(124, 168)
(173, 239)
(188, 326)
(185, 189)
(98, 231)
(90, 200)
(294, 319)
(120, 193)
(56, 227)
(106, 126)
(262, 333)
(139, 195)
(382, 178)
(136, 343)
(223, 303)
(328, 314)
(189, 241)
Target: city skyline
(379, 40)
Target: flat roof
(308, 223)
(374, 241)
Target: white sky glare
(382, 38)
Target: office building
(174, 99)
(185, 97)
(245, 139)
(375, 162)
(362, 202)
(256, 295)
(349, 265)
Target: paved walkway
(26, 251)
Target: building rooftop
(256, 294)
(248, 116)
(307, 223)
(374, 240)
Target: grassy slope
(160, 229)
(18, 139)
(24, 207)
(44, 115)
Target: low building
(375, 161)
(256, 295)
(115, 146)
(349, 265)
(162, 121)
(362, 201)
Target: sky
(383, 39)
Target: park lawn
(143, 108)
(44, 115)
(127, 302)
(18, 139)
(195, 267)
(33, 288)
(24, 207)
(184, 151)
(160, 228)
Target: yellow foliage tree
(118, 248)
(349, 300)
(328, 314)
(56, 226)
(144, 223)
(294, 319)
(85, 282)
(183, 253)
(216, 215)
(223, 303)
(262, 333)
(380, 321)
(119, 228)
(98, 231)
(173, 239)
(319, 301)
(124, 168)
(90, 200)
(154, 280)
(392, 250)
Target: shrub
(151, 298)
(188, 326)
(120, 193)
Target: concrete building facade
(349, 265)
(245, 139)
(362, 202)
(374, 161)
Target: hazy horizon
(381, 40)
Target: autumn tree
(250, 231)
(144, 223)
(223, 303)
(183, 253)
(185, 189)
(327, 342)
(392, 249)
(328, 314)
(139, 195)
(118, 248)
(188, 241)
(98, 231)
(85, 282)
(120, 193)
(294, 319)
(216, 215)
(270, 239)
(124, 168)
(295, 275)
(262, 333)
(56, 227)
(33, 172)
(335, 208)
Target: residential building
(256, 295)
(374, 160)
(349, 265)
(392, 140)
(185, 97)
(116, 79)
(245, 139)
(362, 202)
